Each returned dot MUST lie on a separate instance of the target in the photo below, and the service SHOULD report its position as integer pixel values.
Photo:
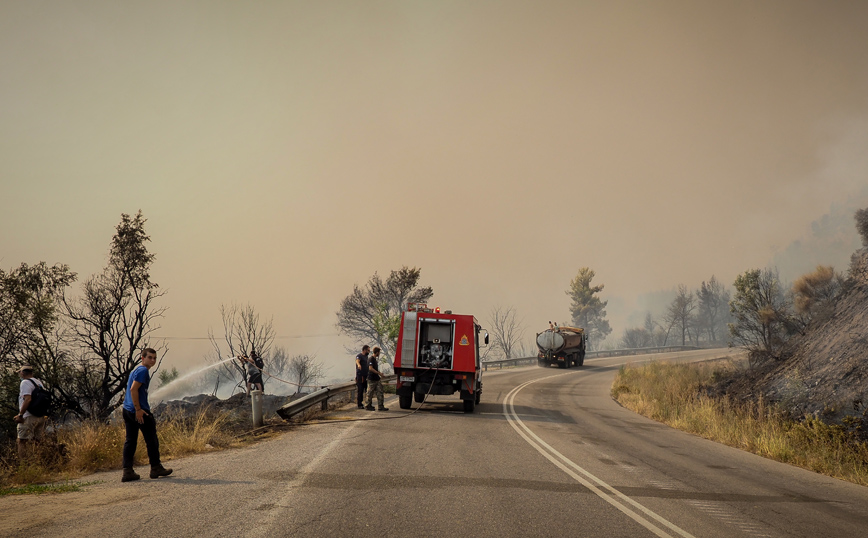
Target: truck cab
(438, 354)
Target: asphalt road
(547, 453)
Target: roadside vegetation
(78, 449)
(90, 446)
(683, 396)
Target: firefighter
(362, 374)
(375, 384)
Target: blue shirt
(140, 374)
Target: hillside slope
(827, 375)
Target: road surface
(547, 453)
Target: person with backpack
(254, 374)
(260, 364)
(32, 409)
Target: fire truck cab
(438, 353)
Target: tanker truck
(564, 346)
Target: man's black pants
(149, 432)
(361, 389)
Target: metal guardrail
(321, 397)
(592, 355)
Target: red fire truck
(438, 353)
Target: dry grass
(674, 394)
(91, 446)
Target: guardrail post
(256, 402)
(325, 403)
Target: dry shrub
(180, 434)
(88, 446)
(813, 291)
(92, 446)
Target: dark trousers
(361, 388)
(149, 432)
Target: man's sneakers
(158, 470)
(381, 408)
(129, 475)
(369, 408)
(361, 406)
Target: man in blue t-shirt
(137, 416)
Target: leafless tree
(372, 314)
(658, 334)
(278, 364)
(506, 331)
(244, 332)
(114, 318)
(305, 371)
(713, 309)
(679, 314)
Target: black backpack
(40, 401)
(257, 360)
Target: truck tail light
(460, 376)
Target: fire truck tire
(562, 364)
(405, 402)
(581, 359)
(478, 396)
(469, 405)
(541, 364)
(418, 397)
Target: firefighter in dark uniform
(375, 383)
(362, 375)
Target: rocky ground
(238, 406)
(827, 373)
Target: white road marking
(594, 484)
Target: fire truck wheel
(478, 396)
(541, 364)
(581, 359)
(418, 397)
(562, 364)
(404, 402)
(469, 405)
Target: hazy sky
(283, 151)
